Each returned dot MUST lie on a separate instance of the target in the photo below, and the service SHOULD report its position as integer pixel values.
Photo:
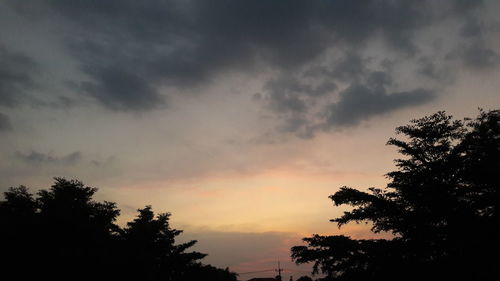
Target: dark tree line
(63, 234)
(441, 205)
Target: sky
(238, 117)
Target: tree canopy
(63, 234)
(441, 205)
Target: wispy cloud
(38, 158)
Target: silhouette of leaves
(63, 234)
(440, 205)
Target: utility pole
(279, 270)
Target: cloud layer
(317, 58)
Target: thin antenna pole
(279, 270)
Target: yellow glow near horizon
(275, 200)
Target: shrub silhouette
(441, 205)
(63, 234)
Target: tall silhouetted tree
(64, 234)
(440, 205)
(150, 242)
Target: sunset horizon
(239, 118)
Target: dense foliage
(441, 205)
(63, 234)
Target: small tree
(440, 205)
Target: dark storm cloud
(480, 57)
(37, 158)
(366, 96)
(427, 67)
(122, 90)
(16, 76)
(131, 50)
(5, 124)
(475, 53)
(359, 102)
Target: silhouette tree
(150, 242)
(77, 232)
(17, 225)
(58, 234)
(64, 234)
(199, 272)
(440, 205)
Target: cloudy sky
(238, 117)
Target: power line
(281, 270)
(295, 270)
(259, 271)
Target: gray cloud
(5, 124)
(37, 158)
(16, 76)
(475, 53)
(428, 68)
(122, 90)
(359, 102)
(480, 57)
(367, 95)
(129, 50)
